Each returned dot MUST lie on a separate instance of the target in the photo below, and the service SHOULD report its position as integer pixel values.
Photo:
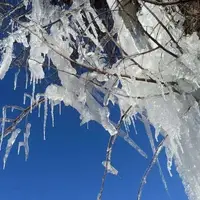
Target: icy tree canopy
(134, 54)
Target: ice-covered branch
(111, 142)
(20, 117)
(134, 54)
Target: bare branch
(158, 3)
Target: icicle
(12, 24)
(26, 136)
(157, 132)
(26, 84)
(3, 124)
(25, 142)
(134, 126)
(162, 177)
(126, 126)
(126, 137)
(33, 92)
(45, 116)
(26, 95)
(15, 79)
(39, 108)
(60, 107)
(31, 106)
(19, 147)
(169, 160)
(150, 136)
(52, 112)
(37, 98)
(36, 80)
(148, 131)
(49, 63)
(10, 143)
(31, 79)
(134, 145)
(24, 101)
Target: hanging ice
(25, 142)
(25, 96)
(10, 143)
(52, 112)
(45, 116)
(15, 79)
(3, 124)
(60, 108)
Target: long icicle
(3, 125)
(45, 116)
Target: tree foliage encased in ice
(130, 53)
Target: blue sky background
(67, 166)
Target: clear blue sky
(67, 166)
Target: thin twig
(158, 3)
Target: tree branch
(20, 117)
(158, 3)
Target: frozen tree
(142, 55)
